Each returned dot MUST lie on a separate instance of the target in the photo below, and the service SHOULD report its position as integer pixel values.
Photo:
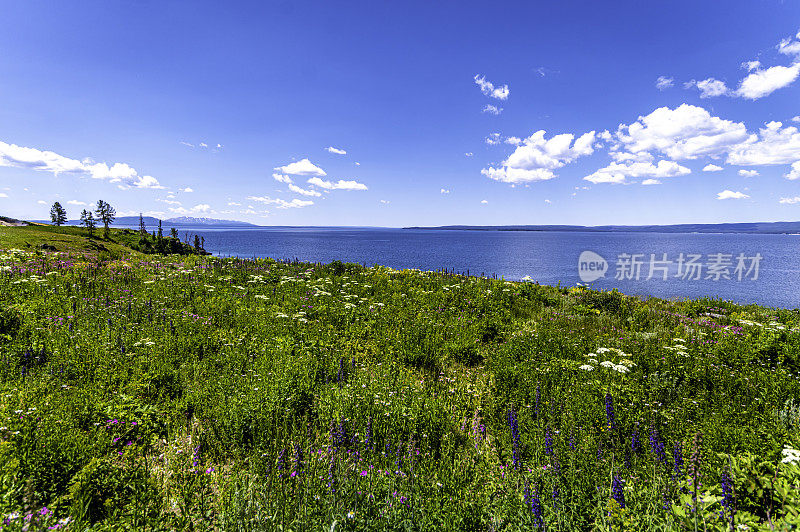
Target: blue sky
(226, 110)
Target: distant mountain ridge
(745, 227)
(181, 221)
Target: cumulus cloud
(168, 201)
(123, 175)
(304, 192)
(187, 189)
(664, 82)
(337, 151)
(651, 182)
(730, 194)
(488, 88)
(616, 173)
(790, 201)
(709, 87)
(76, 202)
(338, 185)
(444, 191)
(200, 208)
(385, 202)
(748, 173)
(493, 139)
(794, 173)
(282, 178)
(774, 144)
(686, 132)
(296, 203)
(492, 109)
(516, 141)
(484, 202)
(537, 157)
(760, 83)
(302, 167)
(712, 168)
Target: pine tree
(87, 220)
(142, 228)
(57, 214)
(105, 213)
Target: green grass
(175, 393)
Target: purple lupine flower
(600, 450)
(548, 442)
(555, 496)
(298, 461)
(195, 457)
(513, 424)
(281, 466)
(677, 455)
(611, 422)
(657, 445)
(727, 496)
(616, 491)
(532, 499)
(636, 444)
(331, 470)
(368, 444)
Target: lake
(550, 257)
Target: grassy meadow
(144, 392)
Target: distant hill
(748, 227)
(182, 221)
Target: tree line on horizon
(148, 243)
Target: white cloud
(468, 154)
(46, 161)
(730, 194)
(234, 204)
(548, 201)
(762, 83)
(537, 158)
(790, 201)
(219, 146)
(304, 192)
(41, 202)
(187, 189)
(385, 202)
(187, 144)
(686, 132)
(794, 173)
(710, 88)
(493, 139)
(515, 141)
(774, 144)
(796, 119)
(337, 151)
(488, 88)
(169, 201)
(616, 173)
(201, 208)
(790, 46)
(748, 173)
(492, 109)
(651, 182)
(664, 82)
(296, 203)
(282, 178)
(302, 167)
(712, 168)
(338, 185)
(203, 145)
(484, 202)
(358, 164)
(76, 202)
(444, 191)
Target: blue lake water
(546, 257)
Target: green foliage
(189, 392)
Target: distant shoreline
(787, 228)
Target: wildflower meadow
(145, 392)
